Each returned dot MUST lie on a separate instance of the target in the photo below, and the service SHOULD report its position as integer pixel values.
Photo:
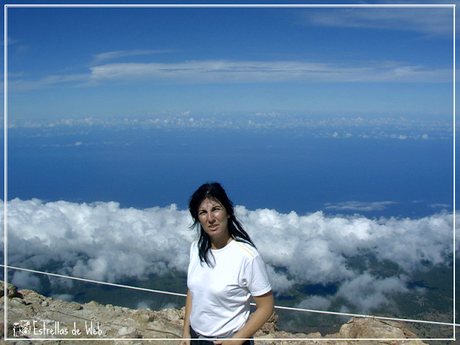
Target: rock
(128, 331)
(33, 318)
(144, 315)
(12, 291)
(270, 325)
(75, 306)
(371, 328)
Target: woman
(225, 270)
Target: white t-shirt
(221, 293)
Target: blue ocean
(283, 169)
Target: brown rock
(371, 328)
(12, 291)
(270, 325)
(33, 318)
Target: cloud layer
(235, 72)
(428, 21)
(336, 127)
(223, 71)
(102, 241)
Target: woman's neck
(221, 242)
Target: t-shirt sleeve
(256, 277)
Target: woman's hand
(185, 337)
(184, 342)
(188, 309)
(264, 309)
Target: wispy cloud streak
(267, 72)
(430, 22)
(359, 206)
(232, 72)
(113, 55)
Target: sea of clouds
(104, 242)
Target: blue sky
(141, 62)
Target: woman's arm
(265, 305)
(188, 310)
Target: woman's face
(213, 218)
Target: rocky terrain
(35, 319)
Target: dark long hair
(235, 229)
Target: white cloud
(65, 297)
(126, 53)
(22, 278)
(98, 241)
(364, 291)
(22, 84)
(368, 292)
(279, 281)
(359, 206)
(102, 241)
(314, 247)
(345, 127)
(225, 71)
(427, 21)
(315, 303)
